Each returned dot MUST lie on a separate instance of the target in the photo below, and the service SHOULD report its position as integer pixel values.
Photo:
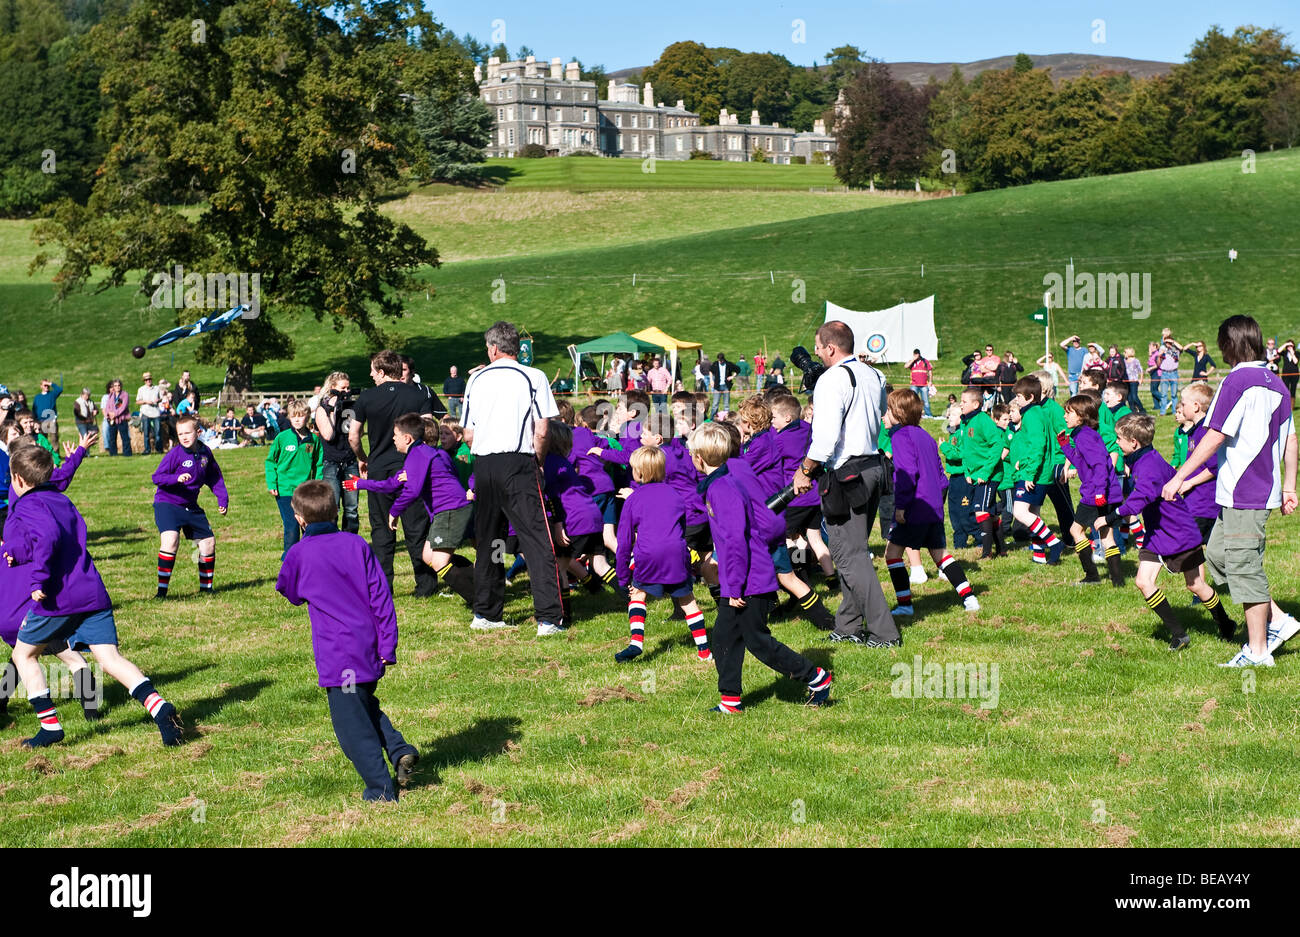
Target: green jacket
(44, 442)
(1181, 436)
(292, 461)
(1008, 476)
(982, 445)
(950, 450)
(1106, 419)
(1031, 457)
(464, 460)
(883, 444)
(1056, 424)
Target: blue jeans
(149, 430)
(924, 394)
(1168, 389)
(725, 395)
(453, 406)
(1074, 385)
(334, 473)
(122, 429)
(292, 534)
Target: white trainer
(483, 624)
(971, 603)
(1282, 630)
(1245, 659)
(545, 628)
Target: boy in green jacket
(1031, 462)
(1058, 492)
(294, 457)
(960, 507)
(982, 445)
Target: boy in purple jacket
(652, 539)
(45, 537)
(592, 468)
(1173, 539)
(803, 515)
(353, 636)
(180, 476)
(920, 488)
(429, 475)
(576, 521)
(744, 533)
(1099, 487)
(682, 476)
(1198, 491)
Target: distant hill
(1063, 65)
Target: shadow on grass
(477, 742)
(204, 709)
(117, 534)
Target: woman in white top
(1047, 364)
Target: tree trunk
(239, 380)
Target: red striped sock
(636, 622)
(47, 714)
(953, 572)
(166, 561)
(1044, 533)
(699, 633)
(207, 569)
(730, 704)
(153, 702)
(902, 583)
(821, 681)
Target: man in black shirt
(377, 409)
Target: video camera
(781, 500)
(812, 368)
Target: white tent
(889, 335)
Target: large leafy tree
(1006, 126)
(758, 81)
(687, 71)
(281, 124)
(884, 132)
(455, 133)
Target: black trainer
(1179, 642)
(406, 767)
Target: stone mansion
(553, 107)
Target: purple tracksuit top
(794, 440)
(763, 453)
(1087, 453)
(573, 492)
(684, 479)
(353, 625)
(591, 467)
(652, 531)
(200, 465)
(920, 484)
(629, 437)
(1201, 499)
(431, 478)
(46, 536)
(744, 556)
(1171, 529)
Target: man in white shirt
(848, 401)
(507, 406)
(146, 398)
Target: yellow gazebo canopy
(672, 345)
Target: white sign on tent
(889, 335)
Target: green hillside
(708, 269)
(588, 174)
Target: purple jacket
(1171, 529)
(430, 477)
(46, 536)
(684, 479)
(744, 556)
(573, 494)
(920, 483)
(652, 530)
(1201, 499)
(763, 453)
(1086, 451)
(794, 441)
(629, 437)
(62, 476)
(200, 465)
(591, 467)
(15, 600)
(353, 625)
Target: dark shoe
(876, 642)
(1227, 631)
(819, 698)
(1089, 581)
(406, 767)
(1179, 642)
(836, 638)
(161, 594)
(169, 725)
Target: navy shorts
(1034, 497)
(78, 631)
(983, 498)
(680, 591)
(781, 560)
(918, 536)
(608, 505)
(189, 520)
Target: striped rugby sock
(1043, 533)
(636, 623)
(166, 563)
(699, 634)
(730, 704)
(610, 576)
(1215, 608)
(144, 693)
(1083, 548)
(1159, 604)
(821, 681)
(51, 730)
(955, 575)
(207, 569)
(902, 583)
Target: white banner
(889, 335)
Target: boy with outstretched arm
(653, 558)
(744, 533)
(353, 636)
(45, 538)
(1197, 491)
(1173, 539)
(180, 476)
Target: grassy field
(708, 267)
(588, 175)
(1098, 736)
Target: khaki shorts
(1235, 554)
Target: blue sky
(626, 33)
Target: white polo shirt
(503, 403)
(846, 419)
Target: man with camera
(848, 400)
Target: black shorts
(582, 545)
(918, 536)
(699, 538)
(797, 520)
(1176, 563)
(1206, 526)
(1086, 515)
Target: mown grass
(586, 175)
(1100, 736)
